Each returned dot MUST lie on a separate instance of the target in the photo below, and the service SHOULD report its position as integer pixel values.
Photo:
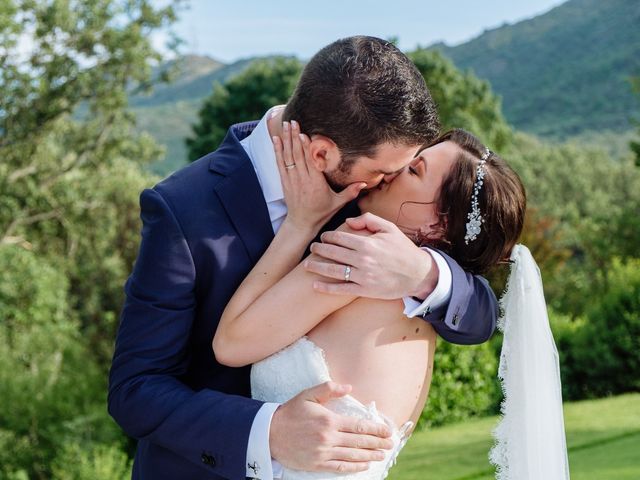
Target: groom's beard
(336, 179)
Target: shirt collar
(259, 147)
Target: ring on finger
(347, 273)
(290, 166)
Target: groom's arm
(464, 310)
(146, 396)
(388, 265)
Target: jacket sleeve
(146, 397)
(471, 314)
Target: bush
(51, 390)
(606, 351)
(464, 384)
(565, 331)
(102, 462)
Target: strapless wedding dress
(302, 365)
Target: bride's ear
(324, 152)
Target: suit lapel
(241, 195)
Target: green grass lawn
(603, 437)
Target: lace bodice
(301, 365)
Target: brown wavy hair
(502, 201)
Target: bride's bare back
(385, 356)
(368, 343)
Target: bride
(456, 196)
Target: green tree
(71, 166)
(605, 353)
(464, 101)
(246, 96)
(635, 145)
(70, 175)
(51, 387)
(464, 384)
(83, 56)
(592, 202)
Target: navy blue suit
(204, 228)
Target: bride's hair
(502, 202)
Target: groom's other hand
(384, 264)
(305, 435)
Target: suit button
(208, 460)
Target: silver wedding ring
(289, 167)
(347, 273)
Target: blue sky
(228, 31)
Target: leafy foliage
(589, 200)
(51, 387)
(463, 384)
(606, 351)
(635, 145)
(102, 462)
(70, 175)
(464, 101)
(247, 96)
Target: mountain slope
(563, 72)
(168, 112)
(194, 80)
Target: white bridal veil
(530, 438)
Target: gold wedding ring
(347, 273)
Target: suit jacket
(204, 228)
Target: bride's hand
(310, 201)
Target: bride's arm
(276, 303)
(268, 313)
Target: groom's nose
(388, 178)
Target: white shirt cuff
(259, 462)
(440, 295)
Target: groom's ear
(324, 153)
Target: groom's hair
(361, 92)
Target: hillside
(193, 80)
(564, 72)
(168, 112)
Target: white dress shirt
(259, 148)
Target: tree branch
(22, 172)
(81, 157)
(38, 217)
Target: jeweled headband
(474, 216)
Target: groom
(368, 111)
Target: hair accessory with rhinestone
(474, 216)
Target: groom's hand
(384, 264)
(305, 435)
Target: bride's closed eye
(414, 166)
